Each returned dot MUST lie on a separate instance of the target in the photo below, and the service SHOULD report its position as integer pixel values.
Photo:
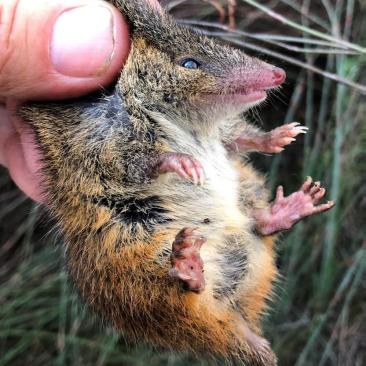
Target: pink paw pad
(187, 264)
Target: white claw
(302, 129)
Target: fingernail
(83, 41)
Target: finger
(307, 184)
(301, 129)
(18, 153)
(190, 170)
(318, 196)
(315, 188)
(293, 124)
(197, 245)
(279, 193)
(60, 48)
(276, 150)
(200, 171)
(6, 131)
(324, 207)
(285, 141)
(181, 172)
(293, 132)
(27, 139)
(285, 129)
(26, 180)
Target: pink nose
(279, 75)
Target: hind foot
(187, 264)
(285, 212)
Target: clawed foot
(276, 140)
(187, 264)
(270, 142)
(184, 165)
(285, 212)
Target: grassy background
(319, 315)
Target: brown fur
(119, 223)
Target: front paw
(276, 140)
(184, 165)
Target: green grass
(319, 314)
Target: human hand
(51, 49)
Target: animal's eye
(190, 64)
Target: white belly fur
(223, 181)
(221, 177)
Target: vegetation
(319, 315)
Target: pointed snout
(258, 76)
(264, 78)
(279, 76)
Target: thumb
(51, 49)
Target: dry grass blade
(304, 29)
